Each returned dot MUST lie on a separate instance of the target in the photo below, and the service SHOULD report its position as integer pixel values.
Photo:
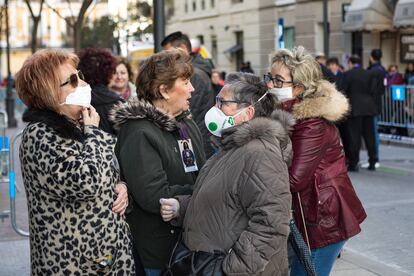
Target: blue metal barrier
(398, 107)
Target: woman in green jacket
(153, 129)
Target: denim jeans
(324, 259)
(152, 271)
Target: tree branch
(61, 16)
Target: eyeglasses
(220, 101)
(73, 80)
(277, 82)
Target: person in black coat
(360, 121)
(203, 97)
(98, 67)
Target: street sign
(281, 27)
(398, 92)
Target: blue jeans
(152, 271)
(324, 259)
(376, 136)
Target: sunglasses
(220, 101)
(73, 80)
(278, 83)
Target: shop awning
(234, 49)
(404, 14)
(368, 15)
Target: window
(194, 5)
(319, 38)
(236, 1)
(289, 37)
(357, 44)
(203, 4)
(201, 39)
(239, 54)
(214, 50)
(186, 7)
(212, 2)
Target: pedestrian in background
(333, 66)
(121, 80)
(393, 76)
(217, 82)
(327, 74)
(357, 87)
(76, 220)
(241, 203)
(378, 76)
(409, 73)
(98, 67)
(318, 175)
(203, 97)
(153, 129)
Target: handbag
(302, 249)
(193, 263)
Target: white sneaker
(366, 165)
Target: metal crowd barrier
(398, 107)
(7, 173)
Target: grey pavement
(384, 247)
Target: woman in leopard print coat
(76, 220)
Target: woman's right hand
(170, 208)
(90, 117)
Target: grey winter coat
(242, 201)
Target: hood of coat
(274, 130)
(326, 102)
(201, 64)
(135, 109)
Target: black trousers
(352, 130)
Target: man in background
(378, 83)
(202, 98)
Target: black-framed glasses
(277, 82)
(73, 80)
(220, 101)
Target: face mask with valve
(81, 97)
(216, 120)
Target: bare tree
(77, 22)
(36, 21)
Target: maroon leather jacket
(332, 210)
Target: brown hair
(38, 81)
(121, 60)
(162, 68)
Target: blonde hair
(38, 81)
(304, 69)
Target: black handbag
(193, 263)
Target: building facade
(247, 30)
(53, 31)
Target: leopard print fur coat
(69, 179)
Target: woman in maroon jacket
(318, 175)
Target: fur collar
(65, 127)
(135, 109)
(275, 130)
(326, 102)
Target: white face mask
(81, 97)
(216, 120)
(282, 94)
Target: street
(385, 246)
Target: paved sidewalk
(14, 261)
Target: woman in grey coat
(241, 202)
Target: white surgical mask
(81, 97)
(216, 120)
(282, 94)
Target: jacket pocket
(328, 208)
